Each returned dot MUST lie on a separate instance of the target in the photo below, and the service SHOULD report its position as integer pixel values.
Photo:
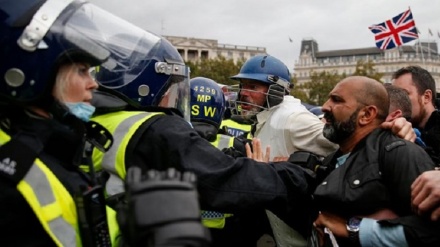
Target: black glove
(161, 210)
(312, 164)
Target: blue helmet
(37, 36)
(268, 70)
(148, 71)
(208, 102)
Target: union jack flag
(395, 32)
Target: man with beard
(283, 123)
(420, 86)
(365, 200)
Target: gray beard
(337, 132)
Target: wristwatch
(353, 225)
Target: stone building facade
(192, 49)
(424, 54)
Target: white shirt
(289, 127)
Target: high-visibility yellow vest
(122, 125)
(54, 206)
(237, 129)
(50, 201)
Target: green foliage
(320, 85)
(297, 91)
(218, 69)
(318, 88)
(367, 69)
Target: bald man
(373, 171)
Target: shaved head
(369, 92)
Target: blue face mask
(81, 110)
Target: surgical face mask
(81, 110)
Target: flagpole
(429, 44)
(421, 51)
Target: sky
(335, 25)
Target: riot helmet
(267, 70)
(208, 102)
(148, 71)
(38, 36)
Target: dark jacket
(431, 136)
(377, 174)
(244, 228)
(62, 153)
(225, 184)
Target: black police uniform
(225, 184)
(244, 228)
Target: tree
(318, 88)
(367, 69)
(218, 69)
(298, 91)
(316, 91)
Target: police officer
(139, 108)
(208, 106)
(47, 50)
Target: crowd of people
(106, 140)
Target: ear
(367, 114)
(427, 96)
(393, 115)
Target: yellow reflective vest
(237, 129)
(223, 141)
(122, 125)
(53, 205)
(50, 201)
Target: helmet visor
(178, 95)
(121, 46)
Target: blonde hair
(62, 81)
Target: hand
(401, 128)
(334, 223)
(425, 194)
(257, 154)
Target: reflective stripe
(114, 185)
(64, 232)
(224, 141)
(237, 129)
(122, 125)
(39, 187)
(109, 159)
